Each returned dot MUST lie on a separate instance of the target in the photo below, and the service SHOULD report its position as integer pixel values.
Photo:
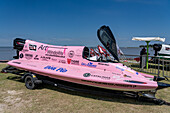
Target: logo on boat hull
(56, 69)
(90, 64)
(42, 47)
(21, 55)
(103, 64)
(28, 56)
(32, 47)
(97, 76)
(36, 57)
(55, 53)
(45, 58)
(62, 61)
(120, 68)
(70, 61)
(86, 74)
(71, 54)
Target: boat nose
(156, 78)
(162, 85)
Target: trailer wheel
(29, 82)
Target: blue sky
(75, 22)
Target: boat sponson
(162, 85)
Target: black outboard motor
(18, 44)
(157, 47)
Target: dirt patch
(3, 107)
(12, 100)
(13, 92)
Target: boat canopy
(108, 40)
(149, 39)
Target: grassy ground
(14, 97)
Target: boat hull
(82, 75)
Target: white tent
(147, 40)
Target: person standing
(143, 58)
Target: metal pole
(163, 66)
(147, 54)
(158, 66)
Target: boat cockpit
(94, 54)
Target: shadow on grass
(99, 96)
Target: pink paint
(64, 51)
(66, 63)
(46, 49)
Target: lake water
(7, 53)
(135, 50)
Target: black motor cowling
(18, 44)
(157, 47)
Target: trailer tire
(29, 82)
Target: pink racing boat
(76, 64)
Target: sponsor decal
(136, 82)
(21, 55)
(130, 71)
(102, 77)
(45, 58)
(17, 62)
(78, 52)
(53, 59)
(86, 74)
(36, 57)
(78, 55)
(25, 50)
(116, 73)
(28, 56)
(90, 64)
(120, 68)
(126, 76)
(59, 69)
(117, 77)
(32, 47)
(64, 49)
(55, 53)
(103, 64)
(31, 65)
(62, 61)
(98, 76)
(70, 61)
(110, 84)
(42, 47)
(71, 54)
(167, 48)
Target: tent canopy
(149, 39)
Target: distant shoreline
(12, 47)
(4, 61)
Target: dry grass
(14, 97)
